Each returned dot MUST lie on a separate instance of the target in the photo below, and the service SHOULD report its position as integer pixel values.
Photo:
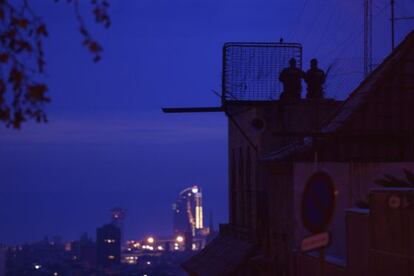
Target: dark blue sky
(108, 144)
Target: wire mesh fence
(251, 70)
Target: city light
(160, 247)
(194, 189)
(37, 266)
(131, 259)
(150, 240)
(148, 263)
(180, 238)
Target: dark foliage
(22, 58)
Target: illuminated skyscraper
(188, 211)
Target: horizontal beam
(404, 18)
(191, 109)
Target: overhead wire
(313, 23)
(323, 34)
(298, 21)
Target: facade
(359, 143)
(108, 245)
(188, 212)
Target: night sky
(108, 144)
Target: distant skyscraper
(188, 211)
(108, 244)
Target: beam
(191, 109)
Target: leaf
(36, 93)
(5, 114)
(3, 87)
(15, 78)
(20, 22)
(18, 119)
(94, 47)
(4, 57)
(41, 30)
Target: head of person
(292, 62)
(314, 63)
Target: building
(274, 149)
(108, 245)
(188, 212)
(3, 255)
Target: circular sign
(318, 202)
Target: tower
(367, 37)
(188, 211)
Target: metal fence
(251, 70)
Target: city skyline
(108, 144)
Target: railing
(251, 70)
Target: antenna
(367, 37)
(392, 25)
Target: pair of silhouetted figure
(291, 77)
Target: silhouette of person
(291, 77)
(315, 78)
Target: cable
(298, 21)
(327, 25)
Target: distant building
(3, 254)
(188, 212)
(108, 243)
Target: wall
(353, 182)
(379, 240)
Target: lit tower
(198, 198)
(188, 211)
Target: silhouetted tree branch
(22, 58)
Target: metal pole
(322, 261)
(392, 25)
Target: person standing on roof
(291, 77)
(315, 79)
